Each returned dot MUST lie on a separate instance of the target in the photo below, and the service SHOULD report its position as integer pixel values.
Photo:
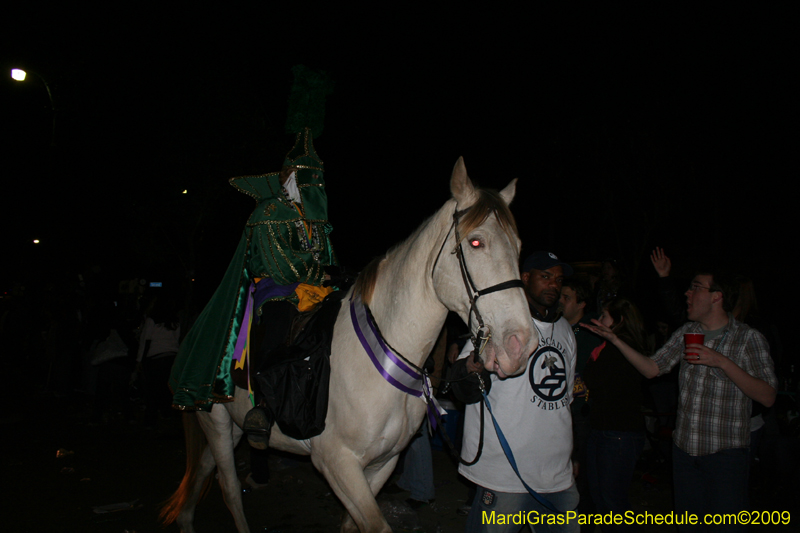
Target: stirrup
(257, 427)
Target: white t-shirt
(532, 410)
(162, 340)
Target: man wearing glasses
(718, 380)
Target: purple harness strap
(389, 364)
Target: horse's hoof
(253, 484)
(257, 427)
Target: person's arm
(668, 291)
(463, 376)
(754, 388)
(646, 366)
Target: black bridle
(483, 333)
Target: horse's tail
(195, 445)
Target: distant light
(18, 74)
(35, 241)
(185, 191)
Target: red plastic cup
(693, 338)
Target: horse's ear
(508, 193)
(461, 186)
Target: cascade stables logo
(547, 374)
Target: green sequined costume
(284, 241)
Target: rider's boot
(257, 427)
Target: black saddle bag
(294, 379)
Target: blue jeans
(488, 501)
(710, 484)
(417, 476)
(610, 461)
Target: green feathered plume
(307, 100)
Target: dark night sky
(625, 132)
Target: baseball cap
(543, 260)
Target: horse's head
(490, 249)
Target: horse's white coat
(369, 421)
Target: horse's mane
(489, 201)
(365, 283)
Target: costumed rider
(294, 263)
(277, 270)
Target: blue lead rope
(510, 456)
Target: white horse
(369, 421)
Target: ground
(121, 461)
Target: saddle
(292, 381)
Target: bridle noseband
(483, 333)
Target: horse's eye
(475, 243)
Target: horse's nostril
(513, 347)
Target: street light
(20, 75)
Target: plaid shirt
(713, 413)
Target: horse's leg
(349, 482)
(185, 518)
(199, 464)
(376, 477)
(218, 427)
(236, 434)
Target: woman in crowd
(615, 399)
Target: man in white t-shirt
(533, 412)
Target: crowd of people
(572, 427)
(574, 421)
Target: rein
(500, 437)
(446, 438)
(483, 333)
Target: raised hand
(661, 262)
